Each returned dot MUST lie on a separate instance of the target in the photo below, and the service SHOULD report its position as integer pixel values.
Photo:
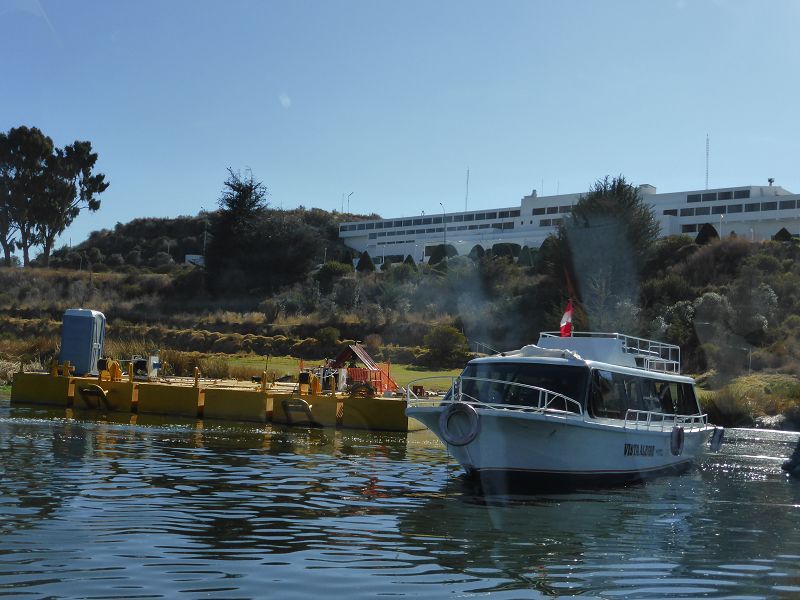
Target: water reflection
(114, 506)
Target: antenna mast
(466, 197)
(707, 147)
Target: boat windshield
(492, 383)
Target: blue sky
(393, 101)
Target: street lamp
(720, 225)
(348, 201)
(444, 229)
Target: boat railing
(539, 400)
(647, 419)
(649, 354)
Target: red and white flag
(566, 321)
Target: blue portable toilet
(83, 333)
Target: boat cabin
(612, 377)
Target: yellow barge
(286, 403)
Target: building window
(437, 220)
(497, 225)
(734, 208)
(448, 219)
(688, 228)
(406, 223)
(398, 223)
(552, 210)
(491, 215)
(769, 206)
(382, 234)
(544, 223)
(480, 216)
(539, 211)
(693, 198)
(754, 207)
(473, 226)
(458, 218)
(372, 236)
(710, 196)
(672, 212)
(503, 214)
(739, 194)
(514, 213)
(361, 226)
(461, 227)
(417, 222)
(557, 222)
(420, 231)
(702, 210)
(431, 230)
(508, 226)
(687, 212)
(719, 210)
(725, 195)
(370, 225)
(564, 209)
(379, 225)
(787, 204)
(469, 217)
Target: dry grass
(746, 398)
(9, 367)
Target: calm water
(101, 508)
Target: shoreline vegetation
(282, 283)
(760, 400)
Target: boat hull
(524, 447)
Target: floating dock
(286, 403)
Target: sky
(390, 103)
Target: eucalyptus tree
(24, 154)
(71, 185)
(43, 189)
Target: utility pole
(444, 229)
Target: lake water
(96, 507)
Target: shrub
(447, 347)
(329, 273)
(365, 264)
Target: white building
(753, 212)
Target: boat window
(687, 402)
(609, 397)
(565, 380)
(614, 393)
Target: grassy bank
(762, 399)
(403, 374)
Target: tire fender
(468, 411)
(676, 440)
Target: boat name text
(639, 450)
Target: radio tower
(706, 161)
(466, 196)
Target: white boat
(596, 408)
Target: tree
(600, 251)
(329, 273)
(706, 235)
(24, 156)
(234, 244)
(70, 187)
(8, 228)
(365, 264)
(447, 346)
(439, 252)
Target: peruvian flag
(566, 320)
